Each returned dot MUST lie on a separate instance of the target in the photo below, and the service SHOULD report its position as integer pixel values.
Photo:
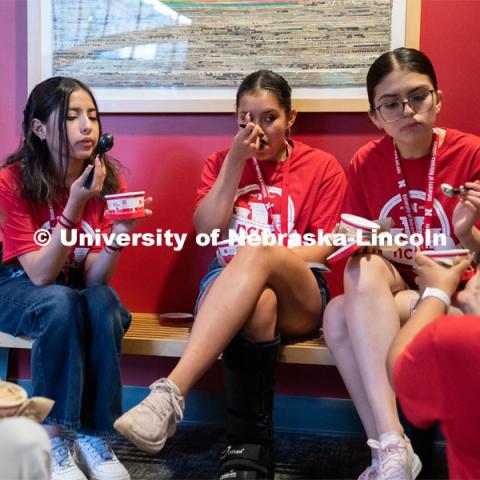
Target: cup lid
(454, 252)
(358, 222)
(123, 195)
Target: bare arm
(44, 265)
(466, 214)
(216, 208)
(433, 275)
(315, 253)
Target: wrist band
(440, 294)
(68, 221)
(61, 221)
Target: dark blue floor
(193, 454)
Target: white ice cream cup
(125, 206)
(447, 257)
(352, 226)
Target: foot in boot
(246, 461)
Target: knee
(61, 307)
(362, 272)
(259, 256)
(103, 296)
(105, 310)
(334, 325)
(261, 324)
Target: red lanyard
(403, 188)
(266, 199)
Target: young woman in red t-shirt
(59, 294)
(263, 289)
(414, 159)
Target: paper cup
(351, 225)
(447, 257)
(11, 397)
(342, 253)
(176, 318)
(226, 250)
(125, 206)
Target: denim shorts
(215, 269)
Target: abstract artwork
(190, 55)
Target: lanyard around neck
(429, 189)
(266, 199)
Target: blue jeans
(76, 354)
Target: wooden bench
(147, 336)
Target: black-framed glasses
(419, 102)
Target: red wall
(165, 154)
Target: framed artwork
(190, 56)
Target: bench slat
(147, 336)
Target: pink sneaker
(397, 459)
(154, 419)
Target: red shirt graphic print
(316, 187)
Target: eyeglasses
(420, 102)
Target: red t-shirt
(317, 184)
(373, 191)
(437, 379)
(20, 218)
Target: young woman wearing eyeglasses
(398, 176)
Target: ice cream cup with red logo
(125, 206)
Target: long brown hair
(40, 180)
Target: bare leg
(373, 320)
(338, 341)
(232, 301)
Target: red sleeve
(416, 379)
(209, 175)
(18, 223)
(329, 199)
(355, 201)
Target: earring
(288, 132)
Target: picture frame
(405, 31)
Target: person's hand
(78, 193)
(467, 210)
(247, 141)
(126, 226)
(433, 274)
(469, 298)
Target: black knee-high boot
(249, 386)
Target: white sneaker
(397, 459)
(97, 460)
(63, 466)
(371, 472)
(154, 419)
